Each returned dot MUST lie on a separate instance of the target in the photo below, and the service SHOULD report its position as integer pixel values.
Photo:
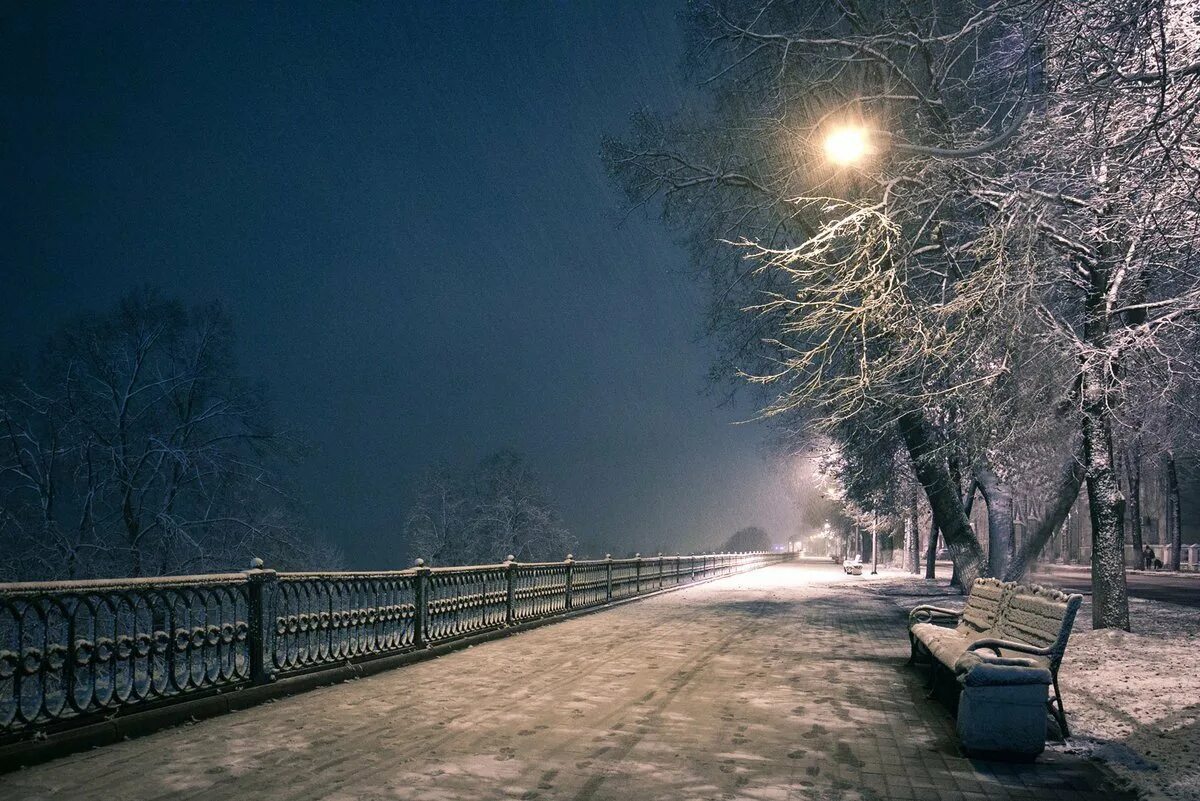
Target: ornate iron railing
(72, 652)
(319, 619)
(86, 648)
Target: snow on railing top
(115, 584)
(409, 571)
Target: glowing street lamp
(846, 145)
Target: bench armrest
(996, 645)
(1008, 661)
(926, 613)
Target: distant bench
(1003, 624)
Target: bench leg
(918, 654)
(1056, 709)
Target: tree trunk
(931, 550)
(931, 546)
(1176, 520)
(1110, 599)
(1165, 513)
(998, 497)
(912, 540)
(907, 563)
(968, 504)
(1134, 468)
(1099, 365)
(923, 444)
(1073, 536)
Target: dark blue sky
(404, 210)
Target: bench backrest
(984, 606)
(1038, 616)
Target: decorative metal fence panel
(589, 584)
(464, 601)
(86, 648)
(331, 618)
(539, 590)
(625, 577)
(72, 652)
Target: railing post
(260, 630)
(570, 581)
(421, 605)
(608, 579)
(510, 607)
(637, 574)
(661, 564)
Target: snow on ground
(1184, 571)
(1132, 698)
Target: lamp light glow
(846, 145)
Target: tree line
(131, 445)
(998, 300)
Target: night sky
(405, 212)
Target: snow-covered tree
(481, 516)
(133, 447)
(750, 538)
(1024, 191)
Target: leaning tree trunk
(968, 504)
(998, 497)
(1038, 535)
(1176, 520)
(931, 545)
(924, 448)
(1110, 599)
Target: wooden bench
(1001, 623)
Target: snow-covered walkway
(777, 684)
